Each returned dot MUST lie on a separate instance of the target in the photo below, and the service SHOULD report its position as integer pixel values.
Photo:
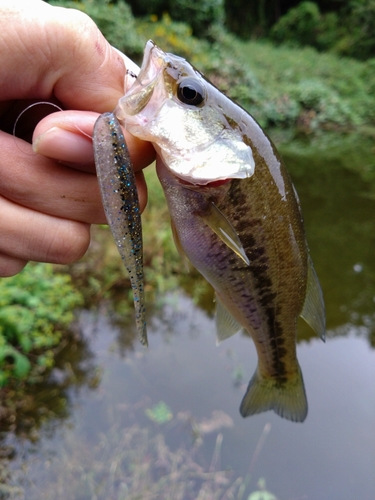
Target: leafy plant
(36, 306)
(360, 22)
(199, 14)
(299, 25)
(172, 36)
(159, 413)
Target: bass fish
(235, 216)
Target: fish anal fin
(287, 399)
(313, 311)
(219, 223)
(226, 325)
(179, 247)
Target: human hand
(48, 200)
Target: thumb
(57, 52)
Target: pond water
(117, 421)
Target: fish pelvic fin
(313, 311)
(226, 325)
(220, 225)
(179, 247)
(287, 399)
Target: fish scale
(269, 292)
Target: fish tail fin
(287, 399)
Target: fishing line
(18, 118)
(27, 152)
(82, 132)
(127, 83)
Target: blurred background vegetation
(303, 67)
(339, 26)
(304, 64)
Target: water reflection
(339, 217)
(45, 405)
(110, 449)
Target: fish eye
(191, 91)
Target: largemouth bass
(235, 216)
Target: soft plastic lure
(120, 199)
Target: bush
(360, 39)
(349, 32)
(200, 15)
(305, 25)
(299, 25)
(36, 306)
(172, 36)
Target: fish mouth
(142, 90)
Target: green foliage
(199, 14)
(359, 41)
(149, 7)
(250, 18)
(36, 306)
(305, 25)
(172, 36)
(301, 86)
(115, 21)
(325, 102)
(299, 25)
(11, 361)
(349, 31)
(159, 413)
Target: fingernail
(64, 145)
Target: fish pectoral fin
(226, 325)
(220, 225)
(313, 311)
(180, 250)
(287, 399)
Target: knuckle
(69, 244)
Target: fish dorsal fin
(226, 325)
(180, 250)
(217, 221)
(313, 311)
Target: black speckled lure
(120, 199)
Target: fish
(235, 217)
(121, 205)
